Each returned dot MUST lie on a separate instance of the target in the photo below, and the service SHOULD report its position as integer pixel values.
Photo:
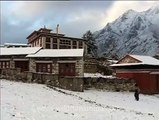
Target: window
(48, 40)
(80, 44)
(47, 43)
(47, 46)
(54, 40)
(4, 64)
(54, 43)
(65, 44)
(44, 67)
(54, 46)
(74, 44)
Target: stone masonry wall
(112, 84)
(69, 83)
(51, 80)
(55, 65)
(79, 67)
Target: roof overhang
(54, 53)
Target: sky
(21, 18)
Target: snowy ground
(97, 75)
(23, 101)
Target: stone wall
(112, 84)
(51, 80)
(69, 83)
(79, 67)
(55, 64)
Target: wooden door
(67, 69)
(157, 79)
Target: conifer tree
(91, 45)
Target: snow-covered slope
(23, 101)
(133, 32)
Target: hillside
(133, 32)
(23, 101)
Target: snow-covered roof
(16, 44)
(58, 53)
(145, 60)
(19, 50)
(113, 61)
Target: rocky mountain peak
(133, 32)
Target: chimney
(57, 29)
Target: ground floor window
(23, 65)
(4, 64)
(44, 67)
(67, 69)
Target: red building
(143, 69)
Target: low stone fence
(112, 84)
(69, 83)
(12, 74)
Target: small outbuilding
(143, 69)
(64, 62)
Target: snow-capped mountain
(133, 32)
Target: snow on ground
(23, 101)
(97, 75)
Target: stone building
(63, 62)
(16, 57)
(46, 39)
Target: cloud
(119, 7)
(20, 18)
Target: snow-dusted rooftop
(19, 51)
(16, 44)
(145, 60)
(58, 53)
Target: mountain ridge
(131, 33)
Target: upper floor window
(74, 44)
(48, 46)
(48, 39)
(80, 44)
(54, 43)
(54, 40)
(65, 44)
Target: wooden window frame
(74, 44)
(44, 67)
(4, 64)
(80, 44)
(65, 44)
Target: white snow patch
(97, 75)
(23, 101)
(19, 50)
